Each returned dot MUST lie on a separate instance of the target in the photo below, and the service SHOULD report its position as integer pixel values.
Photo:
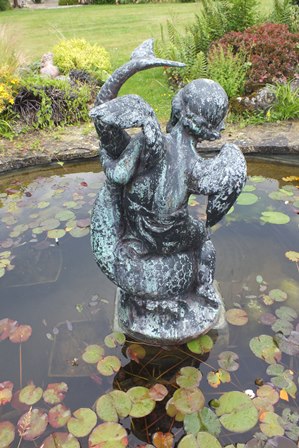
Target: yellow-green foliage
(79, 54)
(8, 87)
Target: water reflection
(49, 280)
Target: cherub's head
(200, 107)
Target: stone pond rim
(37, 149)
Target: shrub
(228, 69)
(44, 102)
(80, 54)
(287, 13)
(67, 2)
(4, 5)
(272, 50)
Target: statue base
(171, 321)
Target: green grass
(117, 28)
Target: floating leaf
(228, 361)
(111, 340)
(205, 420)
(248, 188)
(7, 434)
(280, 442)
(259, 279)
(289, 345)
(236, 316)
(237, 412)
(59, 415)
(43, 204)
(173, 412)
(203, 439)
(78, 232)
(135, 352)
(56, 234)
(50, 224)
(142, 403)
(32, 424)
(281, 195)
(257, 179)
(158, 392)
(247, 199)
(283, 326)
(271, 424)
(114, 405)
(21, 334)
(275, 217)
(267, 319)
(188, 401)
(55, 393)
(277, 295)
(93, 353)
(283, 395)
(108, 435)
(82, 223)
(65, 215)
(264, 347)
(108, 365)
(203, 344)
(286, 313)
(188, 377)
(82, 422)
(60, 440)
(269, 393)
(163, 440)
(5, 392)
(30, 394)
(292, 256)
(218, 377)
(7, 327)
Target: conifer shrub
(271, 49)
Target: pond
(51, 285)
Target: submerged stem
(21, 365)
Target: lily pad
(237, 412)
(280, 442)
(283, 326)
(142, 403)
(108, 435)
(32, 424)
(114, 405)
(286, 313)
(60, 440)
(188, 377)
(247, 199)
(56, 234)
(65, 215)
(163, 440)
(21, 334)
(55, 393)
(158, 392)
(50, 224)
(135, 352)
(30, 394)
(269, 393)
(173, 412)
(278, 295)
(59, 415)
(203, 344)
(292, 256)
(203, 439)
(111, 340)
(289, 345)
(264, 347)
(78, 232)
(188, 401)
(271, 424)
(93, 353)
(204, 420)
(281, 195)
(275, 217)
(108, 365)
(218, 377)
(228, 361)
(5, 392)
(236, 316)
(7, 434)
(257, 179)
(248, 188)
(82, 422)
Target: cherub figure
(143, 237)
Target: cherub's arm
(121, 170)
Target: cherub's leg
(206, 271)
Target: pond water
(50, 282)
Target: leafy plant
(263, 45)
(72, 54)
(286, 105)
(287, 13)
(228, 69)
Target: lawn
(118, 28)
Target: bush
(44, 102)
(4, 5)
(67, 2)
(79, 54)
(228, 69)
(272, 50)
(287, 13)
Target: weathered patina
(143, 237)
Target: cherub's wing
(129, 111)
(222, 179)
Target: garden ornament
(143, 238)
(47, 66)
